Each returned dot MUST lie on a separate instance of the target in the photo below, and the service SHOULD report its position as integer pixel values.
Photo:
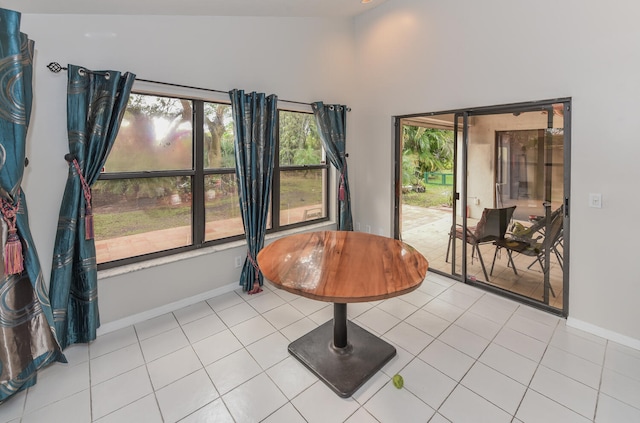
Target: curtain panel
(96, 102)
(331, 121)
(255, 121)
(26, 321)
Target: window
(169, 182)
(302, 174)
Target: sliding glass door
(426, 158)
(505, 224)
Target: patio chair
(491, 227)
(536, 249)
(534, 233)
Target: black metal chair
(491, 227)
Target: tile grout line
(604, 360)
(476, 360)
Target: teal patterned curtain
(331, 121)
(96, 103)
(27, 334)
(255, 120)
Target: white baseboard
(604, 333)
(167, 308)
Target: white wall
(298, 59)
(430, 55)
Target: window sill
(134, 267)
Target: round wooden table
(342, 267)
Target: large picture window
(169, 182)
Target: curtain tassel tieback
(88, 212)
(341, 193)
(341, 188)
(13, 261)
(256, 282)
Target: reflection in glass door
(507, 227)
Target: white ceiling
(282, 8)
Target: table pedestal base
(346, 369)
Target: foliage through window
(169, 182)
(425, 150)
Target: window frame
(198, 173)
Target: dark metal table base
(344, 369)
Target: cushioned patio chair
(536, 249)
(491, 227)
(535, 233)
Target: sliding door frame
(465, 114)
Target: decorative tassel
(13, 263)
(341, 193)
(88, 223)
(13, 260)
(256, 288)
(341, 190)
(88, 213)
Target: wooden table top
(342, 266)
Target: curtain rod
(55, 67)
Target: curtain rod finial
(55, 67)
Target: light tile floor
(466, 356)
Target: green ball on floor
(398, 381)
